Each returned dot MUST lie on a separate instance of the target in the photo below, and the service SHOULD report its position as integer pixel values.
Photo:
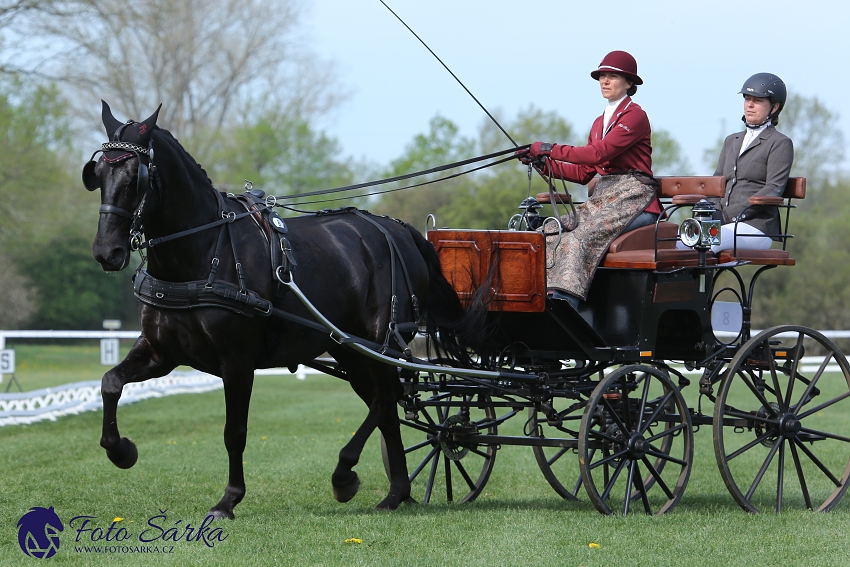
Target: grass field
(289, 516)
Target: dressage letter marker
(7, 361)
(109, 352)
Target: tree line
(249, 105)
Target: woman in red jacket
(618, 150)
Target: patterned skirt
(572, 259)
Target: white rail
(49, 403)
(66, 335)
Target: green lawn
(289, 516)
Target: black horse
(344, 262)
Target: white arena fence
(50, 403)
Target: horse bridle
(143, 178)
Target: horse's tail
(451, 328)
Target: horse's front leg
(139, 365)
(345, 481)
(378, 386)
(237, 398)
(382, 414)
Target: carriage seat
(653, 247)
(794, 189)
(643, 248)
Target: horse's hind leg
(388, 394)
(237, 397)
(139, 365)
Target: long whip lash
(452, 74)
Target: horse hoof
(392, 502)
(221, 514)
(387, 503)
(344, 493)
(125, 456)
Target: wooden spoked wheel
(782, 422)
(448, 463)
(635, 442)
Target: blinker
(144, 178)
(90, 180)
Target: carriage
(598, 391)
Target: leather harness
(213, 292)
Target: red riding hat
(619, 62)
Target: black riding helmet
(769, 86)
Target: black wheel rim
(635, 443)
(559, 465)
(441, 462)
(782, 422)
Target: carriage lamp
(701, 231)
(532, 218)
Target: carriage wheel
(444, 462)
(781, 431)
(635, 442)
(559, 465)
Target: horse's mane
(169, 138)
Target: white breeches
(754, 239)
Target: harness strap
(240, 274)
(112, 209)
(274, 230)
(196, 294)
(393, 252)
(216, 257)
(393, 331)
(163, 239)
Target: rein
(406, 175)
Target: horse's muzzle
(112, 259)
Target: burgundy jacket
(626, 146)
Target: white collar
(753, 132)
(612, 106)
(609, 111)
(750, 135)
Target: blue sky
(692, 56)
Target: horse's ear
(151, 120)
(109, 122)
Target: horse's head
(123, 175)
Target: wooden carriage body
(648, 300)
(631, 314)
